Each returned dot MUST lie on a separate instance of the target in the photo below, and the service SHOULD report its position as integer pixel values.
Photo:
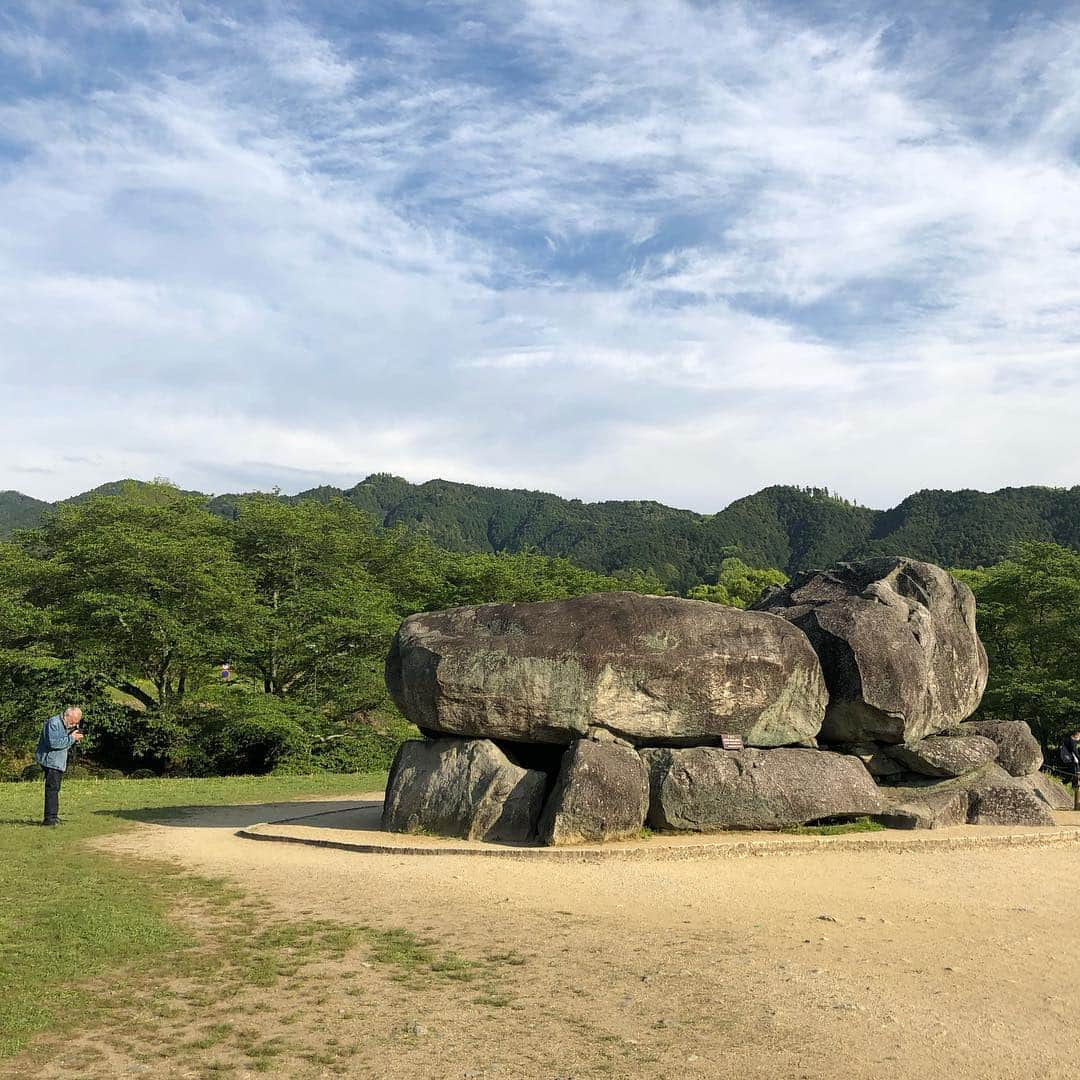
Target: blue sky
(668, 249)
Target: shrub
(227, 730)
(231, 731)
(130, 739)
(34, 687)
(358, 746)
(222, 730)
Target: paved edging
(657, 850)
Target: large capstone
(602, 793)
(462, 787)
(707, 789)
(650, 669)
(897, 643)
(1019, 752)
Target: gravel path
(819, 965)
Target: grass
(417, 957)
(69, 917)
(856, 825)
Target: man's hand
(77, 735)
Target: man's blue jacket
(52, 748)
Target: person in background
(1069, 756)
(226, 672)
(1069, 753)
(58, 736)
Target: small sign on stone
(731, 742)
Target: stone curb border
(725, 850)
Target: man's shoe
(50, 823)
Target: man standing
(58, 736)
(1069, 753)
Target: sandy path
(950, 964)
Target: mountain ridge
(781, 526)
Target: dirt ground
(823, 965)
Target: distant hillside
(18, 511)
(786, 527)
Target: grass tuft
(855, 825)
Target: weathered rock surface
(897, 643)
(705, 788)
(1001, 799)
(946, 755)
(934, 807)
(1019, 752)
(877, 760)
(647, 668)
(462, 787)
(987, 796)
(1052, 792)
(602, 793)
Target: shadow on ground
(365, 817)
(363, 814)
(230, 817)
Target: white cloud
(669, 251)
(299, 56)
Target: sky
(649, 249)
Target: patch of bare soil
(846, 964)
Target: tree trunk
(138, 694)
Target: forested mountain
(18, 511)
(785, 527)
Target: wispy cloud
(652, 249)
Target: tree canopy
(144, 587)
(737, 584)
(131, 600)
(1028, 613)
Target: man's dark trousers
(52, 795)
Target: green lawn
(69, 916)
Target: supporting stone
(1019, 752)
(462, 787)
(934, 807)
(946, 756)
(602, 793)
(1050, 790)
(1001, 799)
(707, 789)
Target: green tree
(143, 586)
(737, 585)
(22, 623)
(1028, 614)
(21, 626)
(527, 576)
(323, 615)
